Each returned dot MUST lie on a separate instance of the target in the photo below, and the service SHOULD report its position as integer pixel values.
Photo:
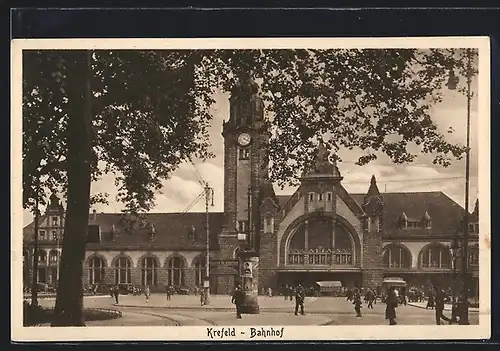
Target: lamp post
(452, 84)
(34, 286)
(209, 197)
(455, 247)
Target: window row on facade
(434, 256)
(320, 197)
(174, 271)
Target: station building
(320, 233)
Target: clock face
(244, 139)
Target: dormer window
(426, 221)
(329, 197)
(244, 153)
(311, 197)
(403, 220)
(320, 197)
(413, 224)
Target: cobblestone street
(186, 311)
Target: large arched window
(199, 270)
(435, 256)
(96, 270)
(396, 256)
(176, 271)
(149, 271)
(123, 269)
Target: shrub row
(35, 315)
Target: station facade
(320, 233)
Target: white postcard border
(376, 332)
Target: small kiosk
(328, 288)
(395, 282)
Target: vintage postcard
(250, 189)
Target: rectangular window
(54, 235)
(329, 197)
(413, 224)
(55, 220)
(320, 197)
(42, 234)
(474, 228)
(244, 153)
(379, 229)
(242, 226)
(311, 197)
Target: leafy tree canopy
(151, 109)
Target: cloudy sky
(183, 187)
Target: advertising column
(249, 282)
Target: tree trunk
(69, 301)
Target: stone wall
(268, 250)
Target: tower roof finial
(373, 190)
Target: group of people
(437, 299)
(299, 292)
(115, 292)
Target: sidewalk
(447, 307)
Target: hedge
(35, 315)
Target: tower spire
(373, 190)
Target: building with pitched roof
(320, 233)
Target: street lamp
(209, 197)
(34, 286)
(455, 247)
(452, 84)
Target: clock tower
(246, 138)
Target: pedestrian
(299, 300)
(237, 299)
(440, 297)
(357, 304)
(285, 292)
(391, 302)
(116, 293)
(454, 311)
(202, 297)
(147, 293)
(169, 292)
(269, 292)
(290, 293)
(370, 296)
(349, 295)
(430, 301)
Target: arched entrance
(320, 247)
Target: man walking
(116, 292)
(370, 296)
(299, 300)
(237, 299)
(440, 297)
(391, 303)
